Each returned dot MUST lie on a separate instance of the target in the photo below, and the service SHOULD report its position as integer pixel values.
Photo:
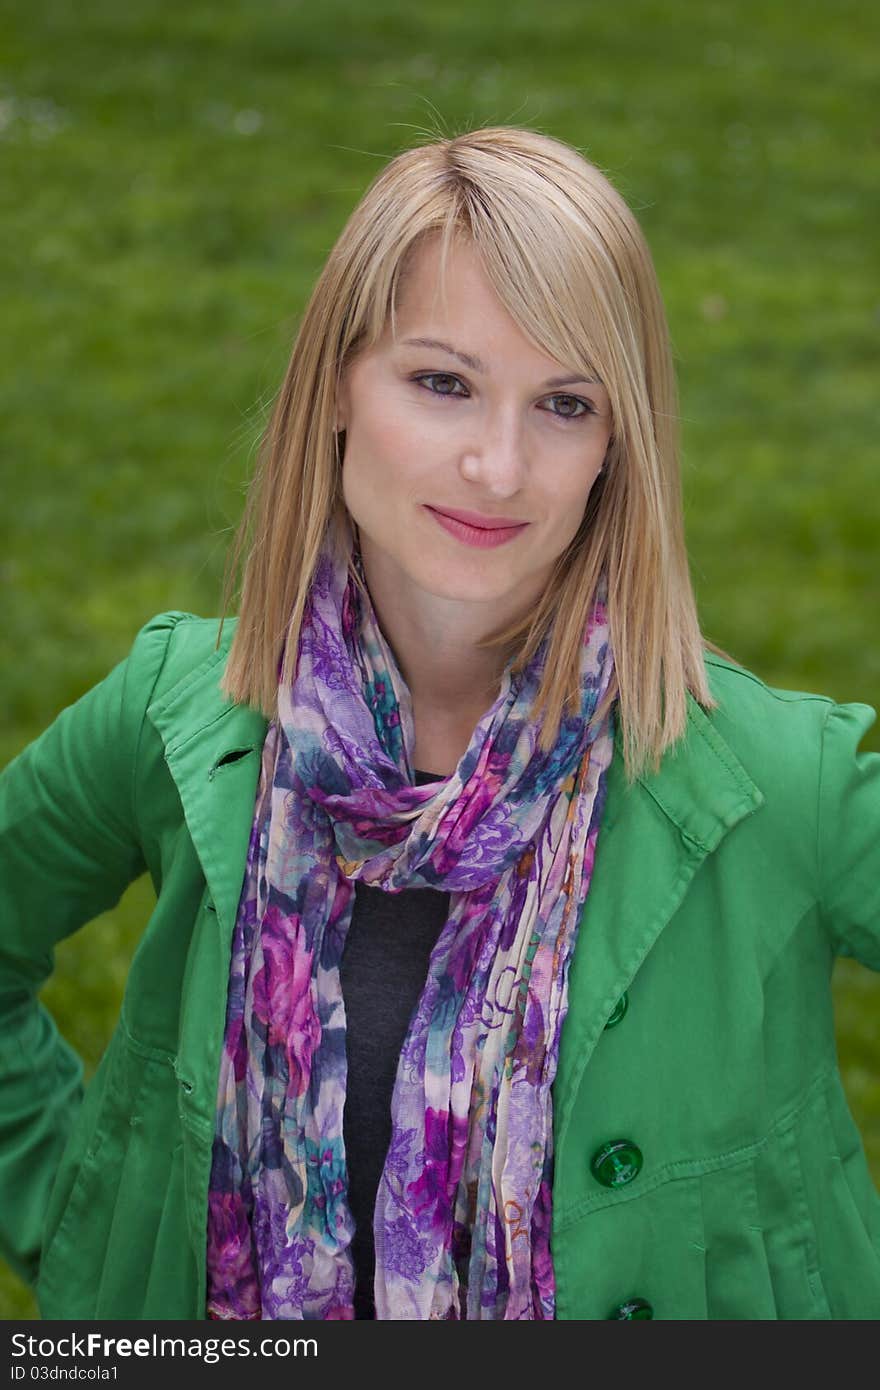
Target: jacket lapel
(653, 838)
(213, 750)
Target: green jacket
(724, 886)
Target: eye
(573, 401)
(438, 376)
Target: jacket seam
(697, 1167)
(784, 697)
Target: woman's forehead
(452, 308)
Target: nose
(495, 456)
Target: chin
(463, 587)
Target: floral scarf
(462, 1216)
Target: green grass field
(173, 177)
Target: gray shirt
(383, 970)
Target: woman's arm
(69, 847)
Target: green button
(617, 1163)
(632, 1308)
(618, 1011)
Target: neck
(450, 679)
(447, 675)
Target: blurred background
(173, 177)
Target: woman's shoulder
(736, 688)
(174, 644)
(771, 727)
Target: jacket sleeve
(849, 834)
(69, 847)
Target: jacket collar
(701, 786)
(653, 838)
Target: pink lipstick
(474, 529)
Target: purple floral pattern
(463, 1212)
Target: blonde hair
(567, 259)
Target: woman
(489, 971)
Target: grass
(173, 179)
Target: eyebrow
(477, 366)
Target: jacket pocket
(787, 1227)
(787, 1236)
(79, 1161)
(119, 1246)
(644, 1246)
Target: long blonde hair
(568, 260)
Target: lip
(485, 523)
(484, 537)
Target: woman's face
(508, 435)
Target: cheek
(386, 448)
(569, 498)
(399, 473)
(378, 474)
